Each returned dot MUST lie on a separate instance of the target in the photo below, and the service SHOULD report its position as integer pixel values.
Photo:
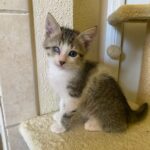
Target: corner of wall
(86, 14)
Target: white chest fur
(59, 79)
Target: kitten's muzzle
(62, 63)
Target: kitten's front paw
(57, 116)
(56, 128)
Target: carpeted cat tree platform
(36, 131)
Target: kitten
(84, 86)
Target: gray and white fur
(84, 86)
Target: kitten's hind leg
(92, 124)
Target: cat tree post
(144, 89)
(137, 13)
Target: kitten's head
(65, 47)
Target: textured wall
(63, 12)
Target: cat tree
(133, 14)
(36, 131)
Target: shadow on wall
(86, 17)
(1, 146)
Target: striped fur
(68, 35)
(78, 83)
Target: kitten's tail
(139, 114)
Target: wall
(102, 29)
(86, 14)
(16, 68)
(75, 14)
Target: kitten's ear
(87, 36)
(52, 27)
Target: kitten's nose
(62, 62)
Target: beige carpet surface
(37, 135)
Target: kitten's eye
(47, 47)
(73, 53)
(56, 49)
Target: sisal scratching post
(144, 89)
(137, 13)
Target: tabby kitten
(82, 85)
